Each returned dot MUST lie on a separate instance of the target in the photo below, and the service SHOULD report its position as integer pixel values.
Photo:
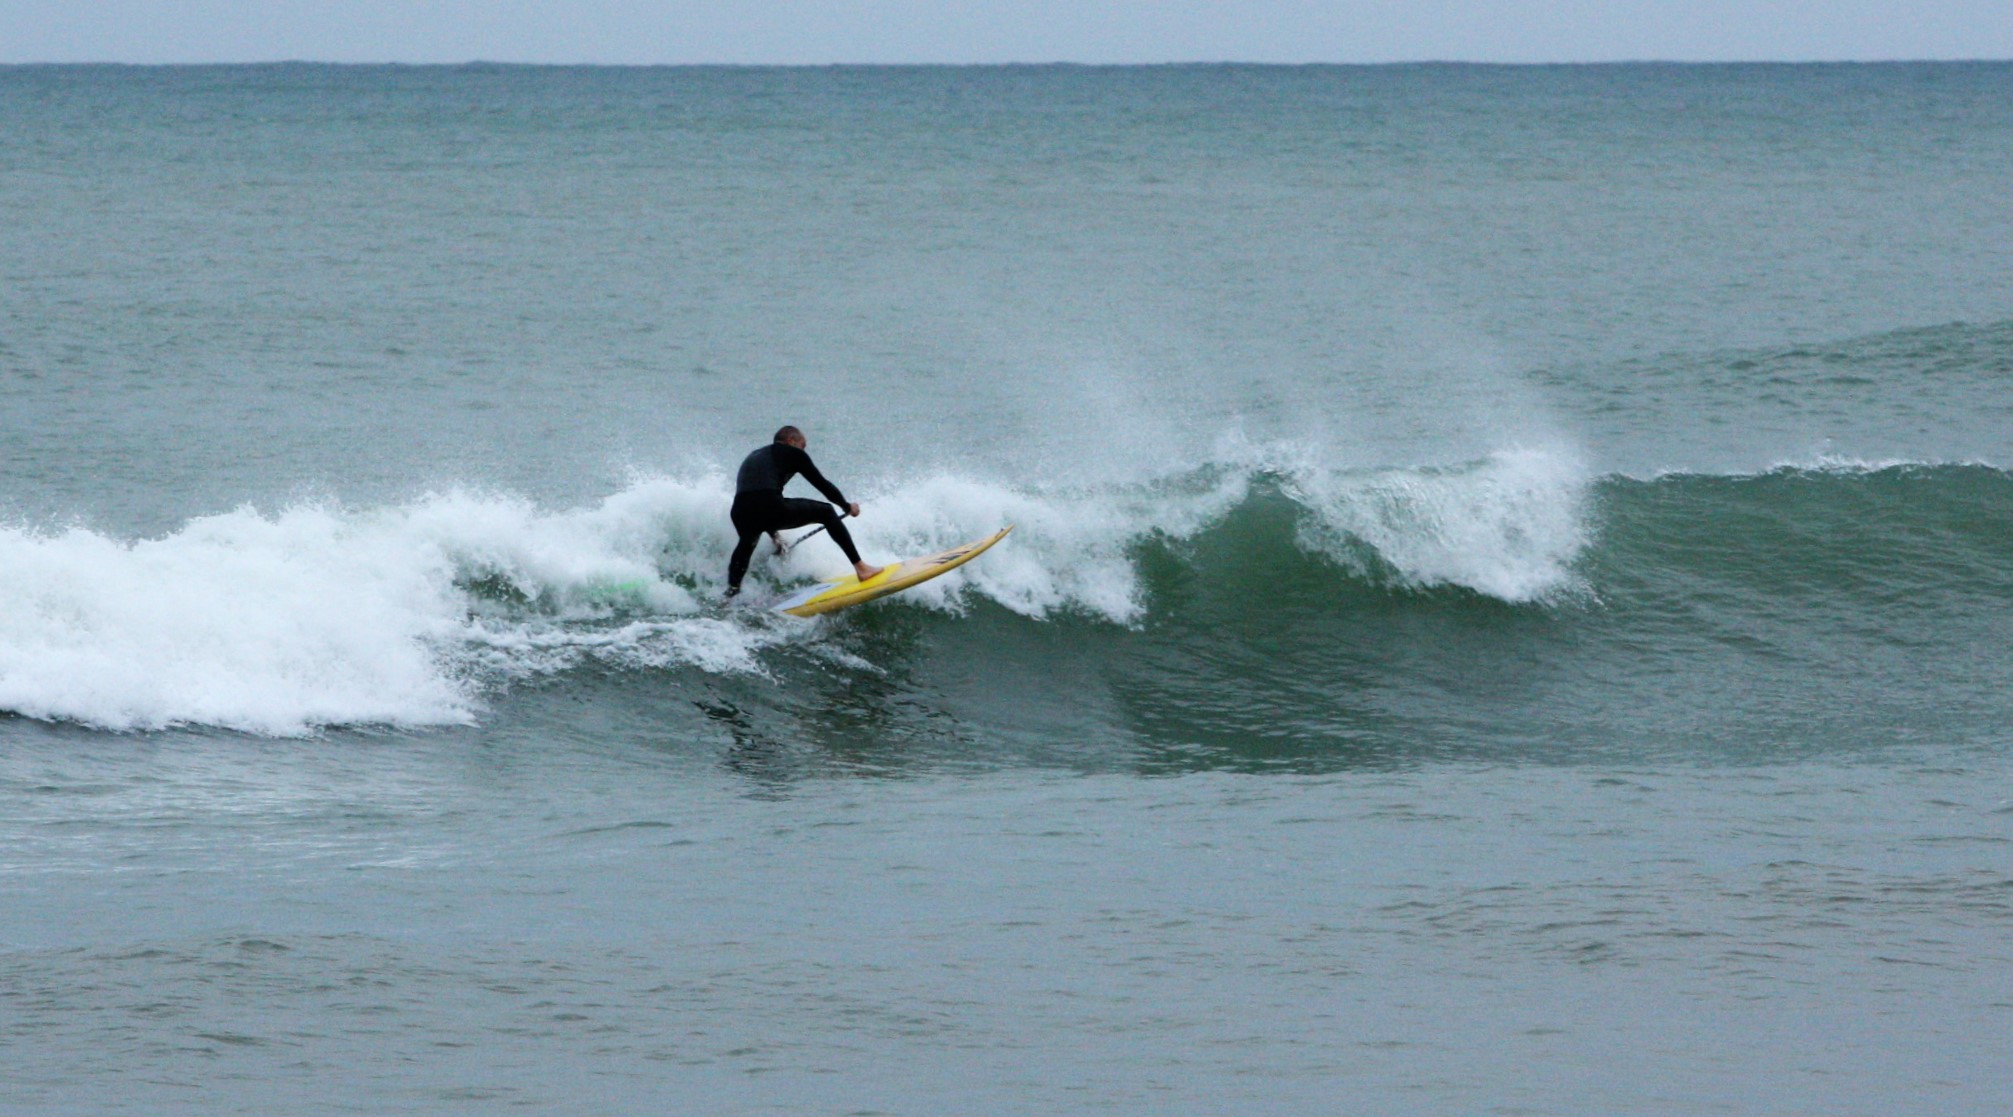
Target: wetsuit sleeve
(817, 479)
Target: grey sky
(819, 31)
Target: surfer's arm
(818, 481)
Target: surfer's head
(791, 435)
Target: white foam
(265, 625)
(319, 616)
(1846, 465)
(1820, 463)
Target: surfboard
(838, 593)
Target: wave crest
(1510, 526)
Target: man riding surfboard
(760, 508)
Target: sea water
(1508, 610)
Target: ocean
(1508, 610)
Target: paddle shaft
(792, 544)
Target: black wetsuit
(760, 506)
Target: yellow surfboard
(838, 593)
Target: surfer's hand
(776, 537)
(853, 509)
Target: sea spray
(1509, 526)
(1071, 550)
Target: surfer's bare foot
(865, 572)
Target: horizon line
(1055, 64)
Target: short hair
(785, 434)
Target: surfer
(761, 508)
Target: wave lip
(1875, 531)
(1510, 526)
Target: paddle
(792, 544)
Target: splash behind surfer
(760, 508)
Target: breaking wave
(415, 614)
